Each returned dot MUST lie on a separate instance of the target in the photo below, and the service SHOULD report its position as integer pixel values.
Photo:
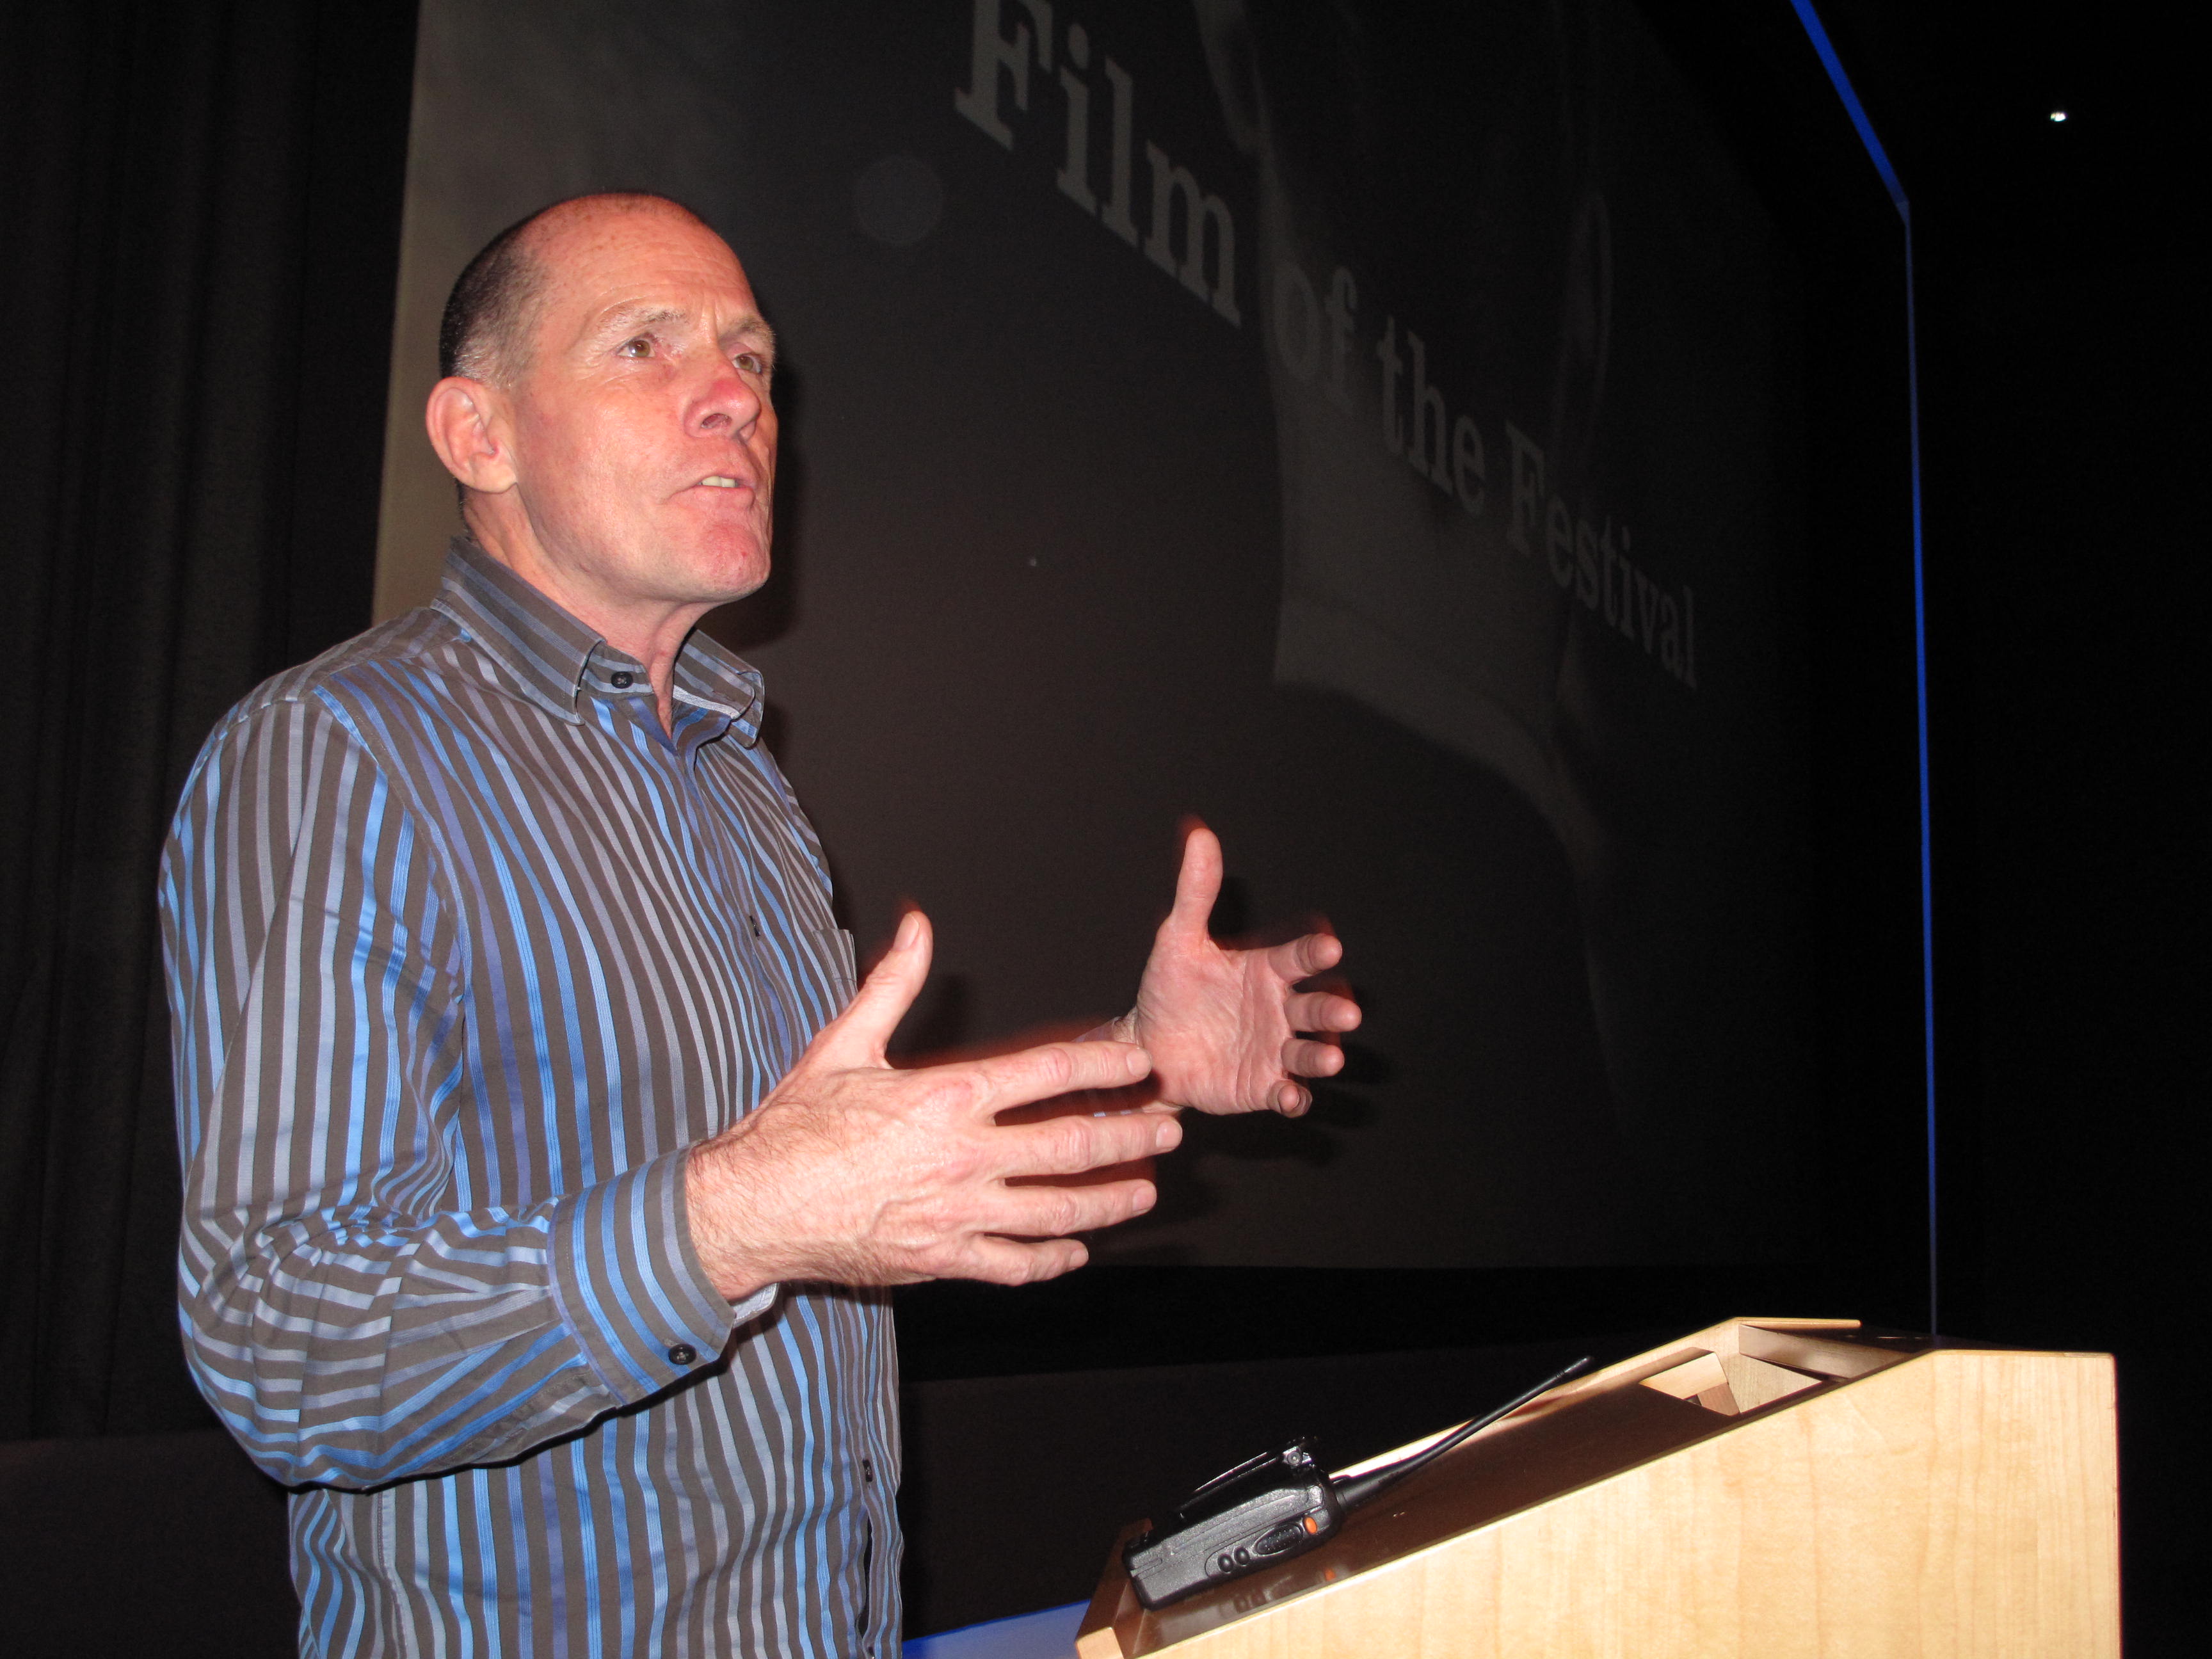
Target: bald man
(544, 1175)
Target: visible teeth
(720, 482)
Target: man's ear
(469, 428)
(1226, 29)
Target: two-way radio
(1271, 1507)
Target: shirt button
(867, 1470)
(683, 1354)
(623, 679)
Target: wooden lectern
(1769, 1487)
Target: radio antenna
(1363, 1488)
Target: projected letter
(1199, 210)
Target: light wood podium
(1769, 1487)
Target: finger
(1305, 956)
(1319, 1011)
(1290, 1100)
(858, 1035)
(1056, 1068)
(1054, 1211)
(1010, 1262)
(1198, 883)
(1303, 1059)
(1069, 1145)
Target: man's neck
(651, 631)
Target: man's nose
(727, 403)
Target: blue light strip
(1857, 110)
(1829, 61)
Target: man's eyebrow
(623, 318)
(755, 330)
(640, 316)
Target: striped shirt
(463, 949)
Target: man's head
(606, 408)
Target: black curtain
(201, 205)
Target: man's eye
(751, 363)
(641, 347)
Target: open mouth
(723, 481)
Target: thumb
(1198, 883)
(859, 1035)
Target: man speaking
(543, 1172)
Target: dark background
(1054, 542)
(192, 450)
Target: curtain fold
(201, 207)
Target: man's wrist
(712, 1201)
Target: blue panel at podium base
(1047, 1635)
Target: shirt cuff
(632, 1290)
(744, 1312)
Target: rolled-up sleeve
(350, 1310)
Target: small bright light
(2058, 115)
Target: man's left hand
(1223, 1026)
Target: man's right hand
(854, 1173)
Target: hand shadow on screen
(936, 1027)
(938, 1030)
(1232, 909)
(1185, 1192)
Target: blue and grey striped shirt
(463, 951)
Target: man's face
(643, 438)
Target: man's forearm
(351, 1352)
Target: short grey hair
(485, 332)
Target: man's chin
(729, 590)
(720, 569)
(744, 590)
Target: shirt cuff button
(683, 1354)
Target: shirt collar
(552, 656)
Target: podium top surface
(1708, 1383)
